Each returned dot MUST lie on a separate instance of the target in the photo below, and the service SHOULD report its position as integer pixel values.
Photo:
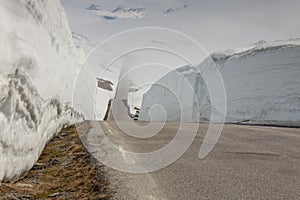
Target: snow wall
(38, 64)
(261, 81)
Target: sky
(216, 24)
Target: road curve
(248, 162)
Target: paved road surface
(248, 162)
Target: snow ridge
(254, 48)
(172, 10)
(94, 7)
(118, 13)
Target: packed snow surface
(261, 82)
(38, 64)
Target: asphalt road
(248, 162)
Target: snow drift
(261, 81)
(38, 64)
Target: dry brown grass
(65, 170)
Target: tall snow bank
(261, 83)
(38, 64)
(35, 38)
(175, 93)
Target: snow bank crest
(260, 46)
